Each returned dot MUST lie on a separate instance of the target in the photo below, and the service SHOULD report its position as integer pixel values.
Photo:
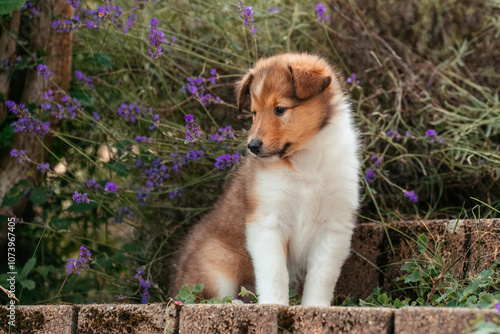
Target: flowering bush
(149, 131)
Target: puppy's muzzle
(254, 146)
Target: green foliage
(17, 192)
(485, 327)
(188, 296)
(8, 6)
(6, 137)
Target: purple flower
(43, 167)
(192, 129)
(176, 193)
(129, 23)
(42, 70)
(30, 9)
(20, 155)
(144, 139)
(352, 79)
(77, 265)
(411, 196)
(407, 134)
(69, 110)
(111, 188)
(129, 112)
(25, 122)
(156, 37)
(393, 134)
(196, 87)
(120, 297)
(67, 25)
(80, 198)
(84, 79)
(122, 211)
(222, 134)
(48, 95)
(273, 10)
(434, 136)
(227, 160)
(142, 196)
(430, 133)
(321, 12)
(192, 156)
(156, 121)
(95, 116)
(370, 175)
(92, 184)
(75, 4)
(377, 162)
(143, 283)
(214, 75)
(247, 16)
(497, 306)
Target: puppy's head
(290, 100)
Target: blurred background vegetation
(424, 91)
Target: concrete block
(228, 318)
(126, 318)
(359, 274)
(442, 320)
(485, 243)
(365, 320)
(56, 319)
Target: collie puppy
(287, 216)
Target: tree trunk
(56, 49)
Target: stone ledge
(336, 319)
(55, 319)
(126, 318)
(443, 320)
(229, 318)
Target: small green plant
(195, 295)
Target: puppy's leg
(324, 263)
(265, 244)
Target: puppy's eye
(279, 111)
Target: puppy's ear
(308, 82)
(243, 90)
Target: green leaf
(185, 295)
(198, 287)
(8, 6)
(422, 243)
(28, 267)
(103, 60)
(16, 192)
(60, 223)
(383, 299)
(6, 136)
(120, 169)
(82, 207)
(413, 277)
(29, 284)
(38, 196)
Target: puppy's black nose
(254, 145)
